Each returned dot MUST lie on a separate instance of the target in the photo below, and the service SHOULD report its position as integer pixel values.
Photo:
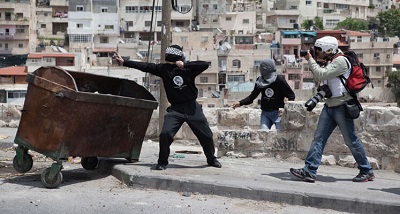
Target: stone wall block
(381, 144)
(237, 118)
(294, 116)
(210, 114)
(382, 119)
(287, 141)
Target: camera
(323, 91)
(304, 52)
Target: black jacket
(272, 97)
(179, 83)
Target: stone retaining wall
(237, 133)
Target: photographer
(333, 113)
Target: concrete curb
(274, 195)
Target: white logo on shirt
(269, 92)
(178, 80)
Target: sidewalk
(260, 179)
(257, 179)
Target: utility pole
(165, 42)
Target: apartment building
(51, 23)
(15, 27)
(289, 14)
(375, 53)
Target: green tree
(394, 83)
(352, 24)
(318, 23)
(389, 22)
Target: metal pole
(165, 42)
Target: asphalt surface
(258, 179)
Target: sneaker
(364, 177)
(215, 163)
(161, 167)
(300, 173)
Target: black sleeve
(196, 67)
(144, 66)
(253, 95)
(287, 91)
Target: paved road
(250, 181)
(85, 191)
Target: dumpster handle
(59, 95)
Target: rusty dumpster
(69, 113)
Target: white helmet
(328, 44)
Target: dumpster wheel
(23, 165)
(89, 163)
(51, 182)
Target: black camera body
(323, 91)
(304, 52)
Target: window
(236, 78)
(104, 9)
(376, 55)
(80, 38)
(203, 79)
(308, 2)
(159, 23)
(246, 21)
(236, 63)
(359, 39)
(378, 69)
(20, 45)
(147, 23)
(20, 29)
(131, 9)
(294, 77)
(79, 7)
(331, 22)
(341, 6)
(179, 23)
(360, 55)
(292, 21)
(16, 94)
(215, 6)
(103, 39)
(109, 27)
(228, 19)
(79, 25)
(42, 25)
(159, 9)
(6, 46)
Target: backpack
(358, 78)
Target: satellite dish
(215, 93)
(54, 48)
(227, 45)
(62, 50)
(139, 55)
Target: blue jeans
(268, 118)
(328, 120)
